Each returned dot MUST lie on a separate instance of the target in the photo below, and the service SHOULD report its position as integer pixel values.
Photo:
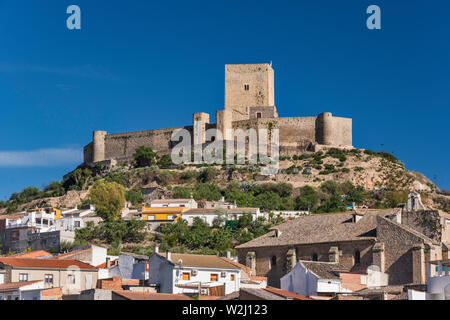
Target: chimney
(333, 254)
(378, 256)
(222, 199)
(168, 255)
(277, 233)
(108, 263)
(156, 249)
(250, 262)
(228, 255)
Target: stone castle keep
(249, 103)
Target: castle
(249, 103)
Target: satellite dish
(180, 261)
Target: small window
(273, 261)
(232, 277)
(214, 277)
(71, 279)
(258, 115)
(23, 277)
(357, 257)
(150, 218)
(246, 87)
(186, 276)
(314, 257)
(77, 224)
(49, 279)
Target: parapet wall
(123, 145)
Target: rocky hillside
(371, 171)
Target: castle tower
(248, 85)
(98, 139)
(325, 128)
(200, 120)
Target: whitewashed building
(30, 290)
(209, 215)
(174, 203)
(193, 274)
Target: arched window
(357, 257)
(273, 261)
(314, 257)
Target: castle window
(246, 87)
(273, 261)
(314, 257)
(357, 257)
(258, 115)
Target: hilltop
(378, 179)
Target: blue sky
(139, 65)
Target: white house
(287, 214)
(73, 219)
(208, 215)
(191, 274)
(314, 278)
(30, 290)
(171, 203)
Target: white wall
(208, 218)
(204, 276)
(300, 281)
(167, 276)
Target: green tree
(108, 199)
(307, 199)
(145, 156)
(134, 196)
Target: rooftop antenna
(270, 63)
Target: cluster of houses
(400, 253)
(89, 273)
(363, 254)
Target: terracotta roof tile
(45, 263)
(286, 294)
(199, 260)
(32, 254)
(16, 285)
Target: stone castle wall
(123, 145)
(249, 103)
(296, 135)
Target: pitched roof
(199, 260)
(261, 293)
(13, 216)
(324, 270)
(16, 285)
(216, 210)
(410, 230)
(321, 228)
(72, 253)
(130, 295)
(32, 254)
(286, 294)
(171, 200)
(112, 264)
(45, 263)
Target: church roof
(321, 228)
